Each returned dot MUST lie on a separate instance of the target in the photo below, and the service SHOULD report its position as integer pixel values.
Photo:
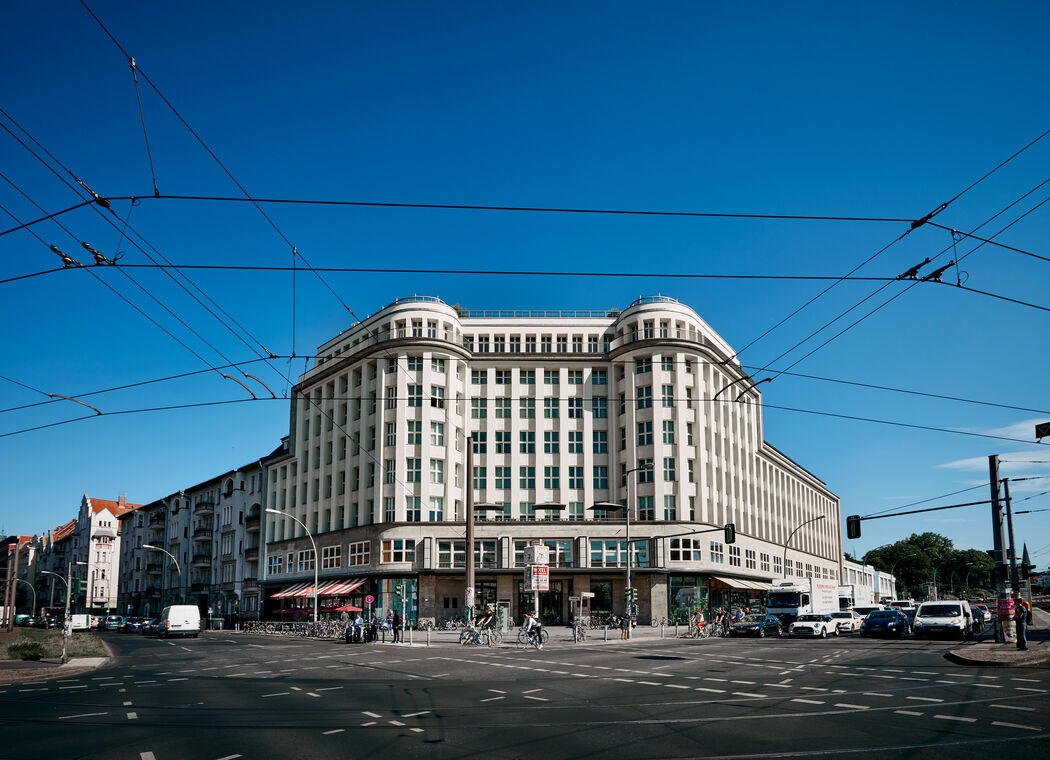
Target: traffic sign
(587, 594)
(369, 599)
(537, 578)
(574, 598)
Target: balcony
(158, 518)
(250, 584)
(199, 588)
(104, 530)
(252, 524)
(203, 507)
(229, 586)
(204, 534)
(253, 553)
(154, 568)
(200, 560)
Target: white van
(951, 617)
(180, 620)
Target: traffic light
(853, 526)
(730, 533)
(76, 588)
(630, 594)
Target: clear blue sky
(822, 110)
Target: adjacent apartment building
(565, 411)
(199, 546)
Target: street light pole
(179, 569)
(30, 585)
(792, 535)
(67, 624)
(312, 542)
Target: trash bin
(215, 624)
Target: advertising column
(537, 572)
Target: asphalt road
(226, 696)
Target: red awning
(291, 591)
(339, 588)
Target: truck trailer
(789, 598)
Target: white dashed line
(133, 716)
(415, 714)
(926, 699)
(372, 714)
(955, 717)
(277, 694)
(82, 715)
(808, 701)
(329, 688)
(909, 712)
(334, 731)
(1015, 725)
(851, 707)
(538, 699)
(369, 723)
(876, 694)
(148, 755)
(1025, 688)
(1027, 680)
(713, 691)
(231, 757)
(493, 699)
(747, 694)
(83, 686)
(1014, 707)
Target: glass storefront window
(685, 594)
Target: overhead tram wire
(914, 225)
(28, 387)
(26, 225)
(126, 226)
(926, 501)
(992, 242)
(912, 283)
(210, 152)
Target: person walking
(625, 626)
(1021, 620)
(395, 622)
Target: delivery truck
(791, 597)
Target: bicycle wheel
(495, 638)
(544, 635)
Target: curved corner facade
(561, 408)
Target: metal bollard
(606, 627)
(661, 630)
(428, 636)
(410, 632)
(676, 629)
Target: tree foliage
(927, 557)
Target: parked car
(814, 625)
(49, 621)
(112, 623)
(757, 625)
(986, 614)
(952, 618)
(847, 621)
(180, 620)
(132, 624)
(149, 626)
(885, 623)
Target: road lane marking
(1014, 707)
(713, 691)
(416, 730)
(747, 694)
(876, 694)
(1028, 680)
(926, 699)
(82, 715)
(127, 704)
(371, 714)
(22, 690)
(676, 686)
(147, 756)
(531, 691)
(492, 699)
(988, 685)
(311, 694)
(329, 688)
(956, 717)
(909, 712)
(277, 694)
(808, 701)
(369, 723)
(497, 691)
(415, 714)
(231, 757)
(334, 731)
(1016, 725)
(746, 683)
(133, 716)
(851, 707)
(538, 699)
(296, 688)
(648, 683)
(778, 685)
(1025, 688)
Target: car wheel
(823, 633)
(779, 630)
(761, 633)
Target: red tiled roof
(97, 505)
(64, 531)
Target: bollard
(411, 630)
(428, 636)
(606, 632)
(661, 630)
(676, 629)
(384, 636)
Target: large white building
(96, 551)
(563, 407)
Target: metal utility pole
(468, 592)
(67, 624)
(1015, 581)
(10, 589)
(998, 537)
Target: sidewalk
(988, 652)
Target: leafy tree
(925, 557)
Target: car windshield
(842, 614)
(810, 618)
(752, 619)
(883, 615)
(941, 610)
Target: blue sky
(813, 110)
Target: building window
(670, 510)
(528, 442)
(577, 344)
(528, 376)
(764, 562)
(600, 407)
(545, 344)
(502, 441)
(437, 397)
(734, 555)
(399, 550)
(575, 408)
(499, 343)
(388, 471)
(437, 434)
(563, 344)
(646, 511)
(479, 408)
(437, 509)
(437, 365)
(391, 434)
(668, 426)
(601, 477)
(550, 408)
(749, 559)
(623, 438)
(479, 376)
(502, 477)
(527, 408)
(600, 439)
(389, 512)
(686, 550)
(667, 363)
(437, 470)
(560, 552)
(526, 511)
(575, 511)
(644, 397)
(613, 553)
(550, 442)
(527, 477)
(451, 554)
(645, 433)
(645, 471)
(551, 377)
(415, 395)
(669, 469)
(575, 442)
(551, 479)
(415, 433)
(530, 344)
(599, 376)
(776, 566)
(413, 469)
(592, 344)
(306, 561)
(415, 364)
(515, 344)
(575, 477)
(275, 564)
(667, 393)
(575, 377)
(331, 556)
(413, 509)
(480, 478)
(503, 377)
(503, 408)
(623, 404)
(641, 366)
(718, 556)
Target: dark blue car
(885, 623)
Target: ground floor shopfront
(439, 597)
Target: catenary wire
(926, 501)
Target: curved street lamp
(33, 589)
(165, 551)
(792, 535)
(312, 543)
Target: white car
(820, 626)
(847, 621)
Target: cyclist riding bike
(698, 624)
(487, 620)
(533, 630)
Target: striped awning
(742, 583)
(291, 591)
(340, 587)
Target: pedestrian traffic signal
(853, 526)
(630, 594)
(730, 533)
(399, 589)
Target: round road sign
(369, 599)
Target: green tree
(914, 560)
